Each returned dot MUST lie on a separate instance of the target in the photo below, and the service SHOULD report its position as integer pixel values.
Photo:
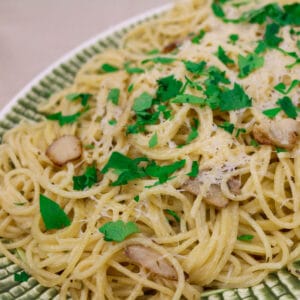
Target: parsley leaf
(223, 57)
(118, 231)
(195, 68)
(159, 60)
(168, 87)
(245, 237)
(133, 70)
(53, 216)
(62, 120)
(197, 38)
(254, 143)
(84, 97)
(240, 131)
(107, 68)
(271, 39)
(130, 88)
(229, 127)
(21, 276)
(280, 150)
(153, 141)
(288, 107)
(112, 122)
(142, 102)
(88, 179)
(272, 113)
(194, 133)
(163, 172)
(191, 99)
(281, 87)
(233, 38)
(136, 198)
(249, 63)
(127, 168)
(195, 170)
(173, 214)
(114, 95)
(235, 99)
(153, 52)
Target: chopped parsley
(229, 127)
(84, 97)
(288, 107)
(108, 68)
(195, 68)
(254, 143)
(194, 132)
(191, 99)
(21, 276)
(153, 52)
(271, 38)
(168, 87)
(198, 37)
(272, 113)
(233, 38)
(235, 99)
(89, 146)
(245, 237)
(195, 170)
(248, 64)
(173, 214)
(133, 70)
(280, 150)
(118, 231)
(113, 96)
(153, 141)
(281, 87)
(136, 198)
(163, 173)
(159, 60)
(87, 180)
(112, 122)
(223, 57)
(52, 214)
(64, 119)
(130, 88)
(127, 168)
(298, 44)
(142, 102)
(240, 131)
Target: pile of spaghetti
(170, 166)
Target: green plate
(281, 285)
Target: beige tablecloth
(35, 33)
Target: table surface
(35, 33)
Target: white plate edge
(102, 35)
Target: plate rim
(127, 23)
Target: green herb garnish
(195, 68)
(223, 57)
(168, 87)
(233, 38)
(281, 87)
(195, 170)
(87, 180)
(133, 70)
(254, 143)
(191, 99)
(159, 60)
(112, 122)
(194, 132)
(288, 107)
(21, 276)
(118, 231)
(248, 64)
(114, 95)
(229, 127)
(245, 237)
(153, 141)
(272, 113)
(52, 214)
(108, 68)
(240, 131)
(64, 119)
(130, 88)
(153, 52)
(136, 198)
(173, 214)
(142, 102)
(235, 99)
(84, 97)
(280, 150)
(197, 38)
